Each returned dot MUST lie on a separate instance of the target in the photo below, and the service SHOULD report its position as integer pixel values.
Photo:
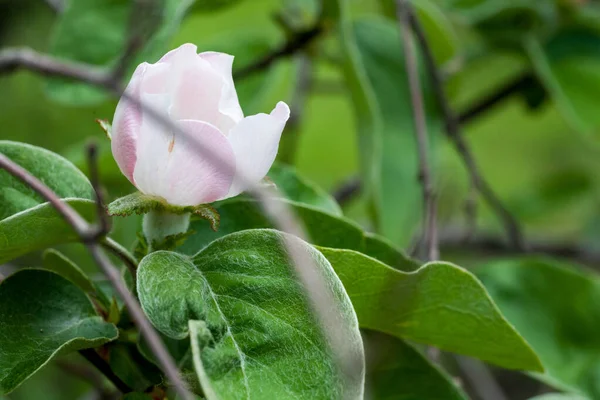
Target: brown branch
(88, 235)
(418, 108)
(452, 125)
(122, 253)
(452, 239)
(297, 42)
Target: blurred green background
(538, 148)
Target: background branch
(297, 42)
(505, 92)
(418, 108)
(452, 125)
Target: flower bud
(217, 153)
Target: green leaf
(54, 171)
(252, 325)
(139, 203)
(38, 228)
(323, 229)
(569, 68)
(57, 262)
(43, 315)
(554, 306)
(440, 304)
(104, 26)
(299, 189)
(385, 125)
(396, 370)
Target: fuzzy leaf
(43, 315)
(440, 304)
(252, 325)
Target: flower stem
(158, 225)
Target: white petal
(192, 167)
(229, 103)
(255, 141)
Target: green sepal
(139, 203)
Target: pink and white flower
(222, 152)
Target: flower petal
(126, 125)
(255, 141)
(185, 51)
(229, 103)
(184, 169)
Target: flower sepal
(139, 203)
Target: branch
(296, 43)
(453, 240)
(429, 200)
(512, 88)
(452, 124)
(348, 190)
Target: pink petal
(185, 169)
(126, 125)
(255, 141)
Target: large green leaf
(38, 228)
(103, 25)
(396, 370)
(54, 171)
(440, 304)
(43, 315)
(554, 306)
(323, 229)
(254, 334)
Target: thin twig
(452, 124)
(92, 356)
(122, 253)
(103, 220)
(85, 232)
(488, 102)
(297, 42)
(144, 19)
(348, 190)
(451, 239)
(18, 58)
(418, 108)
